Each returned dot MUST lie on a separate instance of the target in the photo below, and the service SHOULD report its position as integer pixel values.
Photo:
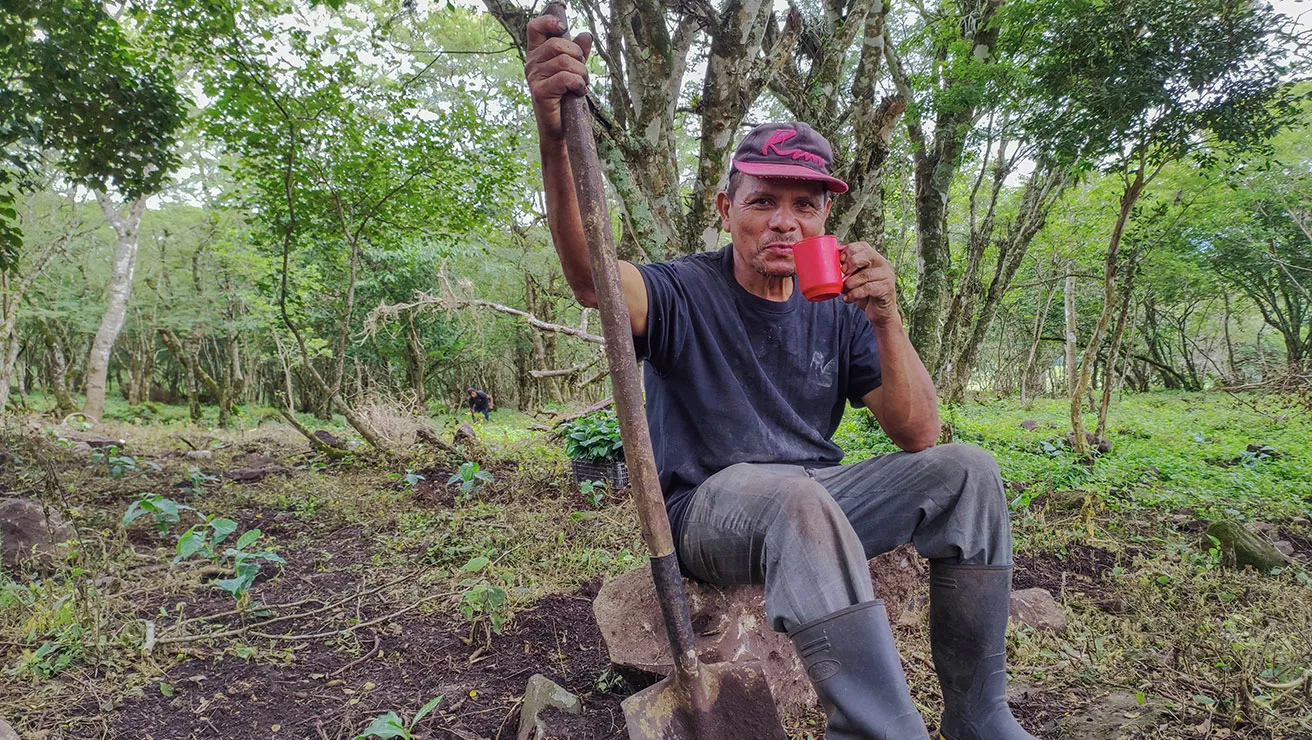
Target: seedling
(393, 725)
(163, 511)
(469, 477)
(482, 603)
(593, 491)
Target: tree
(1162, 80)
(77, 84)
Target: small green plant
(393, 725)
(593, 491)
(410, 477)
(196, 481)
(594, 438)
(163, 511)
(206, 538)
(483, 603)
(117, 465)
(469, 477)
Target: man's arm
(555, 66)
(905, 404)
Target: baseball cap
(790, 150)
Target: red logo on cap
(783, 135)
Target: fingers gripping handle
(588, 185)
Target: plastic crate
(616, 473)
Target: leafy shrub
(594, 438)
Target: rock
(327, 437)
(7, 732)
(97, 444)
(465, 432)
(31, 535)
(1267, 450)
(198, 454)
(1101, 445)
(1035, 608)
(895, 577)
(1241, 547)
(540, 694)
(251, 475)
(728, 623)
(1029, 424)
(1284, 547)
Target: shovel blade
(720, 701)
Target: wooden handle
(591, 191)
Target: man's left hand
(869, 282)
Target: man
(754, 490)
(480, 403)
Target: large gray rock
(7, 732)
(1035, 608)
(540, 694)
(31, 535)
(729, 624)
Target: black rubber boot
(854, 665)
(968, 609)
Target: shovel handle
(591, 192)
(576, 118)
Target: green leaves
(594, 438)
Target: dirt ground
(365, 616)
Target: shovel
(700, 701)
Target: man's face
(767, 216)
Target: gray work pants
(806, 534)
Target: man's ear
(722, 205)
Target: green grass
(1169, 451)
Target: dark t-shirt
(732, 377)
(478, 402)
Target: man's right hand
(554, 66)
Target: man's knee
(808, 511)
(975, 476)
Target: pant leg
(775, 525)
(948, 500)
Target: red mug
(819, 271)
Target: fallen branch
(275, 620)
(451, 302)
(378, 643)
(318, 444)
(561, 372)
(354, 627)
(598, 406)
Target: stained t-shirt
(732, 377)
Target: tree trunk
(1072, 386)
(64, 404)
(1039, 321)
(127, 228)
(1109, 371)
(1131, 195)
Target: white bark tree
(127, 229)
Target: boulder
(7, 732)
(1241, 547)
(1036, 609)
(31, 535)
(729, 624)
(464, 433)
(540, 694)
(1029, 424)
(328, 438)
